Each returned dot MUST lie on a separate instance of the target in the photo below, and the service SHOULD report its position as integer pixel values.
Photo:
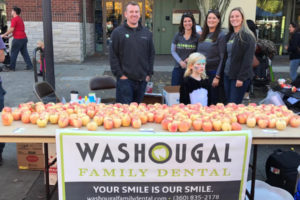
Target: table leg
(253, 174)
(47, 166)
(47, 189)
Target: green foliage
(272, 6)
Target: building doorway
(166, 21)
(109, 15)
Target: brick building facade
(69, 20)
(83, 27)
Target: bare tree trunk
(203, 10)
(220, 5)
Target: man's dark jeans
(177, 76)
(234, 94)
(2, 93)
(19, 45)
(2, 145)
(215, 92)
(128, 91)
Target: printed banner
(152, 166)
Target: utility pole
(48, 40)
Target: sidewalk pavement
(19, 84)
(28, 185)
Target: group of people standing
(223, 62)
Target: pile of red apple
(172, 118)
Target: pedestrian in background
(2, 92)
(195, 86)
(19, 43)
(184, 43)
(212, 46)
(294, 49)
(131, 56)
(237, 62)
(40, 44)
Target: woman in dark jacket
(237, 63)
(212, 45)
(294, 49)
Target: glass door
(113, 16)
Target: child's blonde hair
(192, 59)
(40, 43)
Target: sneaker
(7, 69)
(247, 96)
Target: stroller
(263, 73)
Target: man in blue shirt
(2, 91)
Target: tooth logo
(160, 153)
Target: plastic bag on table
(273, 98)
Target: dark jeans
(177, 76)
(2, 145)
(215, 92)
(294, 64)
(234, 94)
(19, 45)
(2, 93)
(128, 91)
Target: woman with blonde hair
(237, 62)
(195, 85)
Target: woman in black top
(294, 49)
(183, 44)
(237, 63)
(212, 45)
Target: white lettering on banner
(135, 189)
(106, 189)
(197, 189)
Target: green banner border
(154, 134)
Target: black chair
(45, 92)
(103, 83)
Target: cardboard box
(171, 95)
(152, 98)
(31, 157)
(30, 148)
(31, 161)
